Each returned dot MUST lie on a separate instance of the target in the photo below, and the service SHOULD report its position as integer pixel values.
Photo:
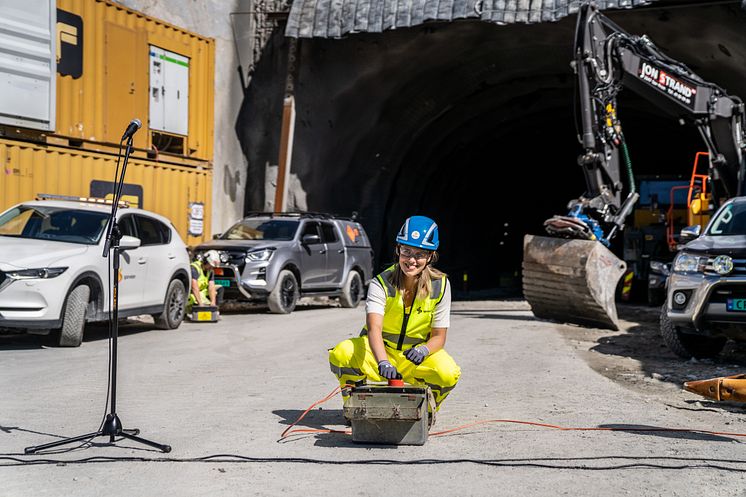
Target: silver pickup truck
(278, 258)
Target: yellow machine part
(571, 281)
(699, 213)
(730, 388)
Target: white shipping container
(28, 64)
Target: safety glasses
(406, 253)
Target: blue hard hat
(420, 232)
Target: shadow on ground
(653, 366)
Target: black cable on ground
(643, 462)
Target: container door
(27, 63)
(123, 94)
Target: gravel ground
(231, 388)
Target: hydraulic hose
(628, 165)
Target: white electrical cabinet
(169, 91)
(28, 64)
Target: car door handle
(142, 260)
(322, 251)
(171, 256)
(341, 251)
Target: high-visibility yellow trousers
(352, 361)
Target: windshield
(729, 221)
(262, 229)
(53, 223)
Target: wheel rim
(288, 292)
(176, 305)
(355, 290)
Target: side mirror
(690, 233)
(311, 239)
(216, 236)
(128, 243)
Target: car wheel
(73, 319)
(174, 307)
(284, 296)
(352, 292)
(687, 345)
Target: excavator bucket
(571, 281)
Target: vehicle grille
(236, 257)
(722, 293)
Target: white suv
(53, 275)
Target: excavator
(570, 275)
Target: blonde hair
(424, 283)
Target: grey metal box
(388, 415)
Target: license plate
(228, 283)
(736, 305)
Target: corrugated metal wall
(115, 79)
(335, 18)
(30, 169)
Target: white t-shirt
(376, 303)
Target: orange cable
(597, 428)
(331, 394)
(288, 431)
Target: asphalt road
(229, 390)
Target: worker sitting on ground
(408, 314)
(204, 291)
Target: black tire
(352, 291)
(73, 319)
(686, 345)
(174, 307)
(284, 295)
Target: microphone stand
(112, 426)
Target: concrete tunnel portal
(467, 122)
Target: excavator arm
(574, 257)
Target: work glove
(387, 370)
(417, 354)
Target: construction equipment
(608, 59)
(394, 414)
(204, 314)
(726, 388)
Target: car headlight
(687, 263)
(42, 273)
(260, 255)
(659, 267)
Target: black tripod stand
(112, 426)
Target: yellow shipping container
(106, 56)
(177, 192)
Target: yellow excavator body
(571, 281)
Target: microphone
(131, 129)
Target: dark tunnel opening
(487, 189)
(471, 124)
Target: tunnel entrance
(469, 123)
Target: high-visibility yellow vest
(402, 329)
(203, 279)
